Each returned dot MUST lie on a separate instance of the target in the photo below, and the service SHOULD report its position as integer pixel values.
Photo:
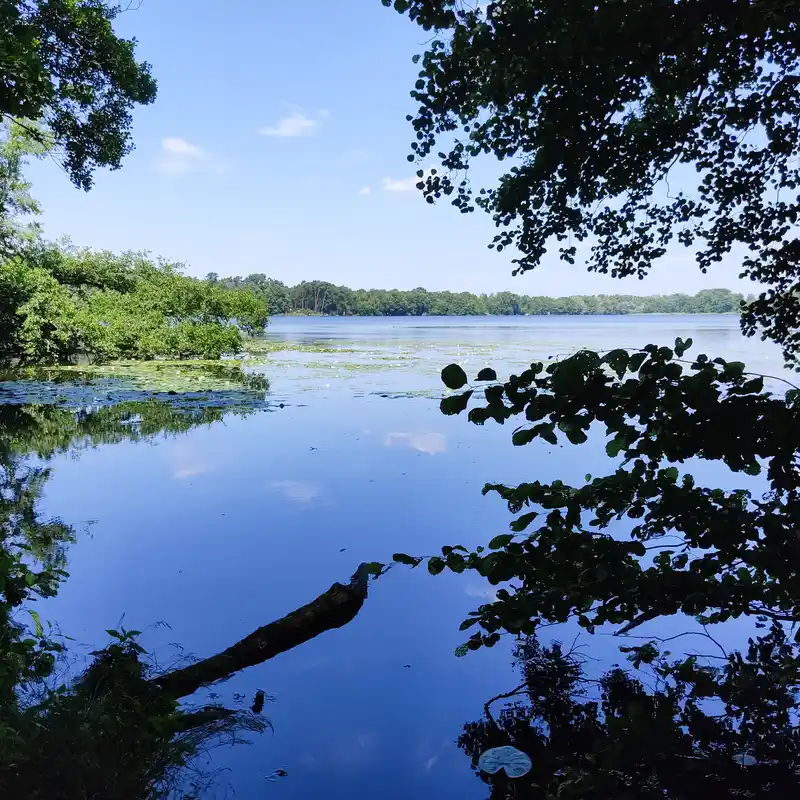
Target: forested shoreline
(321, 297)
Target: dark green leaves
(618, 361)
(455, 404)
(487, 374)
(522, 436)
(66, 66)
(519, 524)
(454, 377)
(435, 565)
(577, 561)
(402, 558)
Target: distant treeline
(320, 297)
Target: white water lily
(513, 761)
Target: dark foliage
(628, 126)
(683, 730)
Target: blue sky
(278, 144)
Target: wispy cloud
(365, 190)
(424, 441)
(187, 462)
(298, 491)
(179, 157)
(296, 124)
(401, 185)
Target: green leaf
(576, 435)
(522, 436)
(37, 622)
(636, 360)
(112, 632)
(454, 377)
(614, 447)
(461, 651)
(520, 523)
(455, 404)
(618, 361)
(455, 562)
(487, 374)
(670, 474)
(402, 558)
(753, 386)
(374, 568)
(547, 433)
(435, 565)
(500, 541)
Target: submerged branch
(332, 609)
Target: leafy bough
(711, 553)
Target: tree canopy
(645, 540)
(56, 303)
(63, 65)
(322, 297)
(628, 126)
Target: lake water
(237, 521)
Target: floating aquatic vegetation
(197, 383)
(513, 761)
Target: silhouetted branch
(332, 609)
(521, 689)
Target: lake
(219, 527)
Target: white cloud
(179, 157)
(298, 491)
(187, 462)
(364, 190)
(172, 144)
(423, 441)
(402, 185)
(295, 125)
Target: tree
(63, 65)
(630, 127)
(57, 303)
(683, 730)
(646, 540)
(17, 143)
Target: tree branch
(332, 609)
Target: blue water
(226, 527)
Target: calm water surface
(232, 524)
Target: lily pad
(513, 761)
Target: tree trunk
(332, 609)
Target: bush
(58, 303)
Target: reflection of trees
(122, 730)
(47, 430)
(681, 730)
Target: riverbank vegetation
(321, 297)
(59, 303)
(644, 541)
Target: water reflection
(723, 726)
(109, 730)
(302, 492)
(422, 441)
